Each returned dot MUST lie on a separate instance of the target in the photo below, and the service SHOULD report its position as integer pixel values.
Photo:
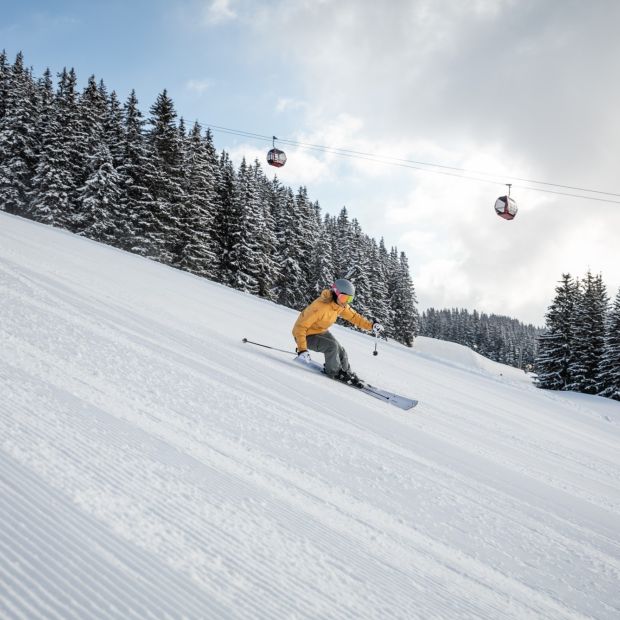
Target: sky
(521, 90)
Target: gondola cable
(415, 165)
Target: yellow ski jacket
(320, 315)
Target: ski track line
(68, 560)
(285, 493)
(592, 549)
(441, 559)
(579, 485)
(67, 553)
(374, 442)
(78, 460)
(507, 424)
(602, 477)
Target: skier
(311, 330)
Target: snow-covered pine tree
(552, 365)
(4, 82)
(308, 223)
(269, 269)
(136, 168)
(378, 306)
(45, 101)
(406, 319)
(198, 254)
(588, 338)
(97, 215)
(291, 286)
(91, 113)
(70, 148)
(342, 244)
(359, 268)
(167, 183)
(18, 141)
(113, 130)
(226, 222)
(322, 264)
(609, 369)
(384, 270)
(245, 253)
(54, 193)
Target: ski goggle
(344, 299)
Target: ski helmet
(343, 287)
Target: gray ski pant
(335, 355)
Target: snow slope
(152, 465)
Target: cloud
(198, 86)
(287, 103)
(504, 87)
(219, 11)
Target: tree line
(580, 349)
(87, 163)
(497, 337)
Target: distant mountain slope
(152, 465)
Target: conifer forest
(499, 338)
(580, 348)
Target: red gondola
(505, 206)
(276, 157)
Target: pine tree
(247, 254)
(609, 369)
(227, 220)
(113, 131)
(266, 242)
(136, 168)
(291, 287)
(53, 193)
(406, 318)
(17, 139)
(342, 243)
(99, 201)
(198, 253)
(552, 365)
(4, 82)
(322, 263)
(588, 335)
(68, 162)
(166, 184)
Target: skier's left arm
(357, 319)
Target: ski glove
(304, 356)
(377, 328)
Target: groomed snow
(152, 465)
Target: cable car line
(415, 165)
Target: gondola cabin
(505, 206)
(276, 157)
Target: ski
(402, 402)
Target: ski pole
(375, 352)
(266, 346)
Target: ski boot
(350, 378)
